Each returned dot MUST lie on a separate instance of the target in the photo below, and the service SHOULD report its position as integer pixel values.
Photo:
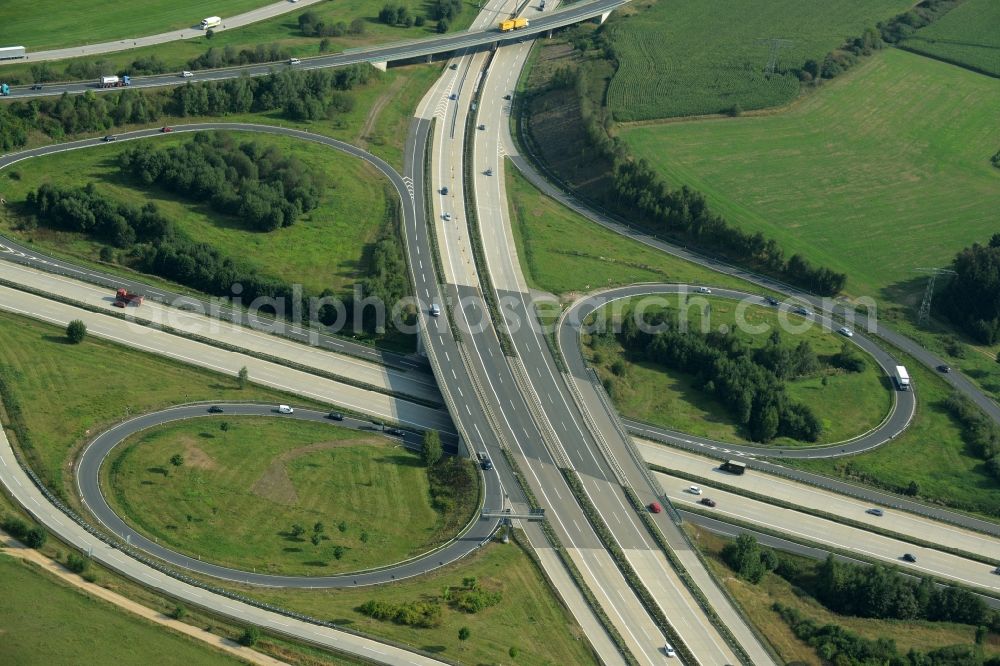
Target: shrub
(250, 636)
(76, 331)
(77, 563)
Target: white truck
(211, 22)
(902, 378)
(11, 52)
(114, 81)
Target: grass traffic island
(846, 403)
(352, 210)
(283, 496)
(70, 626)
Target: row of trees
(298, 95)
(255, 183)
(737, 376)
(971, 299)
(683, 214)
(85, 210)
(837, 645)
(312, 25)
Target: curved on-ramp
(473, 535)
(900, 415)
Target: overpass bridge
(379, 56)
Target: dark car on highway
(215, 409)
(111, 137)
(654, 507)
(909, 557)
(707, 502)
(875, 512)
(943, 368)
(336, 416)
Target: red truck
(123, 298)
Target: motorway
(94, 455)
(509, 393)
(899, 417)
(484, 33)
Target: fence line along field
(681, 58)
(885, 170)
(968, 35)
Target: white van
(293, 61)
(285, 409)
(435, 310)
(211, 22)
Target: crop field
(47, 24)
(847, 404)
(884, 171)
(70, 627)
(968, 35)
(326, 248)
(694, 57)
(238, 492)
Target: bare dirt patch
(194, 456)
(274, 484)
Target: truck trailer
(902, 378)
(12, 52)
(733, 467)
(210, 22)
(114, 81)
(124, 298)
(513, 24)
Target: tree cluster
(836, 645)
(971, 299)
(904, 25)
(312, 25)
(424, 614)
(393, 14)
(445, 9)
(879, 592)
(257, 184)
(85, 210)
(32, 537)
(734, 373)
(979, 432)
(748, 559)
(683, 214)
(228, 56)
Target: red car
(654, 507)
(167, 129)
(707, 502)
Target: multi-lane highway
(484, 34)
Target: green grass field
(68, 393)
(326, 248)
(884, 171)
(848, 405)
(565, 253)
(687, 57)
(529, 616)
(930, 452)
(756, 602)
(282, 30)
(968, 35)
(237, 494)
(48, 24)
(46, 622)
